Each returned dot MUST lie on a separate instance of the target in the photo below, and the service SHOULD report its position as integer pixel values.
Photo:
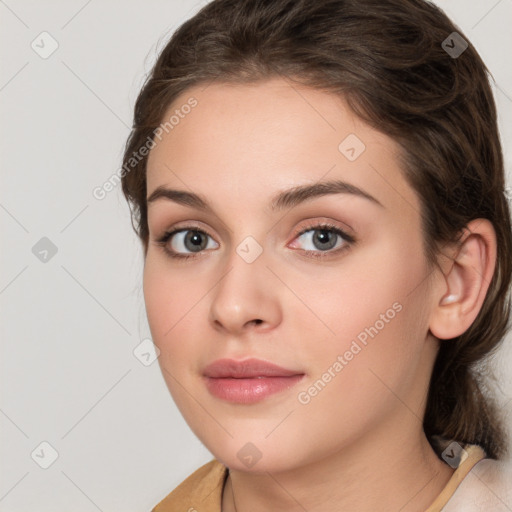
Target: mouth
(248, 381)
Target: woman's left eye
(323, 238)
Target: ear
(464, 281)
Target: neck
(402, 473)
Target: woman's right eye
(185, 242)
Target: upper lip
(248, 368)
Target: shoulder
(201, 491)
(487, 487)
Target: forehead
(244, 142)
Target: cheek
(374, 307)
(364, 285)
(171, 299)
(173, 309)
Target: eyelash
(325, 226)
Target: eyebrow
(285, 199)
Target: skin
(358, 444)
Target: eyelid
(187, 226)
(319, 224)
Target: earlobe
(465, 283)
(448, 299)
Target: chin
(257, 457)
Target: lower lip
(248, 391)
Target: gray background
(69, 325)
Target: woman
(319, 189)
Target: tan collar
(202, 490)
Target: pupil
(195, 239)
(324, 237)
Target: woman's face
(347, 311)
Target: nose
(245, 298)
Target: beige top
(202, 490)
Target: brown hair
(388, 60)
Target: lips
(249, 381)
(247, 369)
